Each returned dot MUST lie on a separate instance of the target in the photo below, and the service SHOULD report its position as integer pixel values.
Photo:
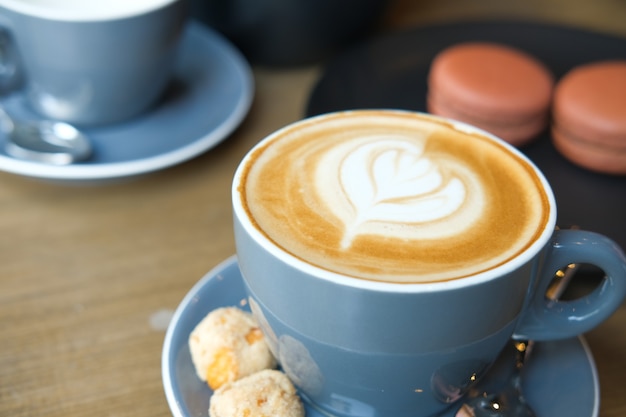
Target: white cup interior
(83, 10)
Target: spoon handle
(503, 397)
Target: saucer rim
(236, 65)
(218, 270)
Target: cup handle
(546, 319)
(10, 74)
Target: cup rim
(70, 14)
(385, 286)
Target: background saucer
(391, 72)
(208, 98)
(560, 377)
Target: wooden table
(90, 275)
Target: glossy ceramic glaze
(92, 70)
(560, 379)
(209, 96)
(372, 348)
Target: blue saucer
(560, 378)
(208, 98)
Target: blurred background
(288, 32)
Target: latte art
(386, 185)
(392, 196)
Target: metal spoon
(46, 141)
(501, 395)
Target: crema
(393, 196)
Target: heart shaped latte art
(389, 186)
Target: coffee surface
(393, 196)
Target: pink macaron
(498, 88)
(589, 116)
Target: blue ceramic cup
(89, 62)
(396, 305)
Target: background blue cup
(360, 348)
(90, 62)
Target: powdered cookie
(265, 393)
(227, 345)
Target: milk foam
(393, 196)
(387, 185)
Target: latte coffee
(393, 196)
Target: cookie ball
(265, 393)
(498, 88)
(227, 345)
(589, 116)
